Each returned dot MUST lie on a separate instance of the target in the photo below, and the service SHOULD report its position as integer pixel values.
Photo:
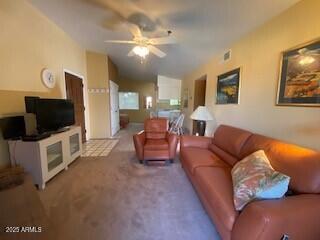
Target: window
(174, 102)
(129, 100)
(148, 102)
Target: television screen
(54, 114)
(13, 127)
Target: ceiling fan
(143, 44)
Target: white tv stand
(45, 158)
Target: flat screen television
(53, 114)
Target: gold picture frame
(299, 76)
(228, 87)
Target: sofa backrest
(228, 141)
(156, 128)
(228, 158)
(301, 164)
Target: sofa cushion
(254, 178)
(198, 157)
(300, 164)
(297, 216)
(156, 144)
(231, 139)
(216, 184)
(226, 157)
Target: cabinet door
(74, 144)
(52, 158)
(54, 155)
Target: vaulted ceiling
(202, 28)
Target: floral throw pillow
(254, 178)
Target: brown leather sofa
(155, 142)
(208, 163)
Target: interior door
(74, 89)
(114, 108)
(199, 97)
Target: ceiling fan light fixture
(141, 51)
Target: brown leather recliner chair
(155, 142)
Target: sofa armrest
(173, 142)
(139, 141)
(195, 141)
(294, 216)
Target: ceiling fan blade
(131, 53)
(134, 29)
(156, 51)
(120, 41)
(163, 40)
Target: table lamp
(201, 115)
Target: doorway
(74, 92)
(200, 86)
(114, 108)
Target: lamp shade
(202, 114)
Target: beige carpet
(116, 198)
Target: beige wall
(98, 78)
(144, 88)
(30, 42)
(100, 69)
(258, 54)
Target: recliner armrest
(173, 142)
(139, 140)
(296, 216)
(195, 141)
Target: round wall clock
(48, 78)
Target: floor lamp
(201, 115)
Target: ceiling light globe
(141, 51)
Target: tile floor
(98, 147)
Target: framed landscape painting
(228, 87)
(299, 83)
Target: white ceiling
(202, 27)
